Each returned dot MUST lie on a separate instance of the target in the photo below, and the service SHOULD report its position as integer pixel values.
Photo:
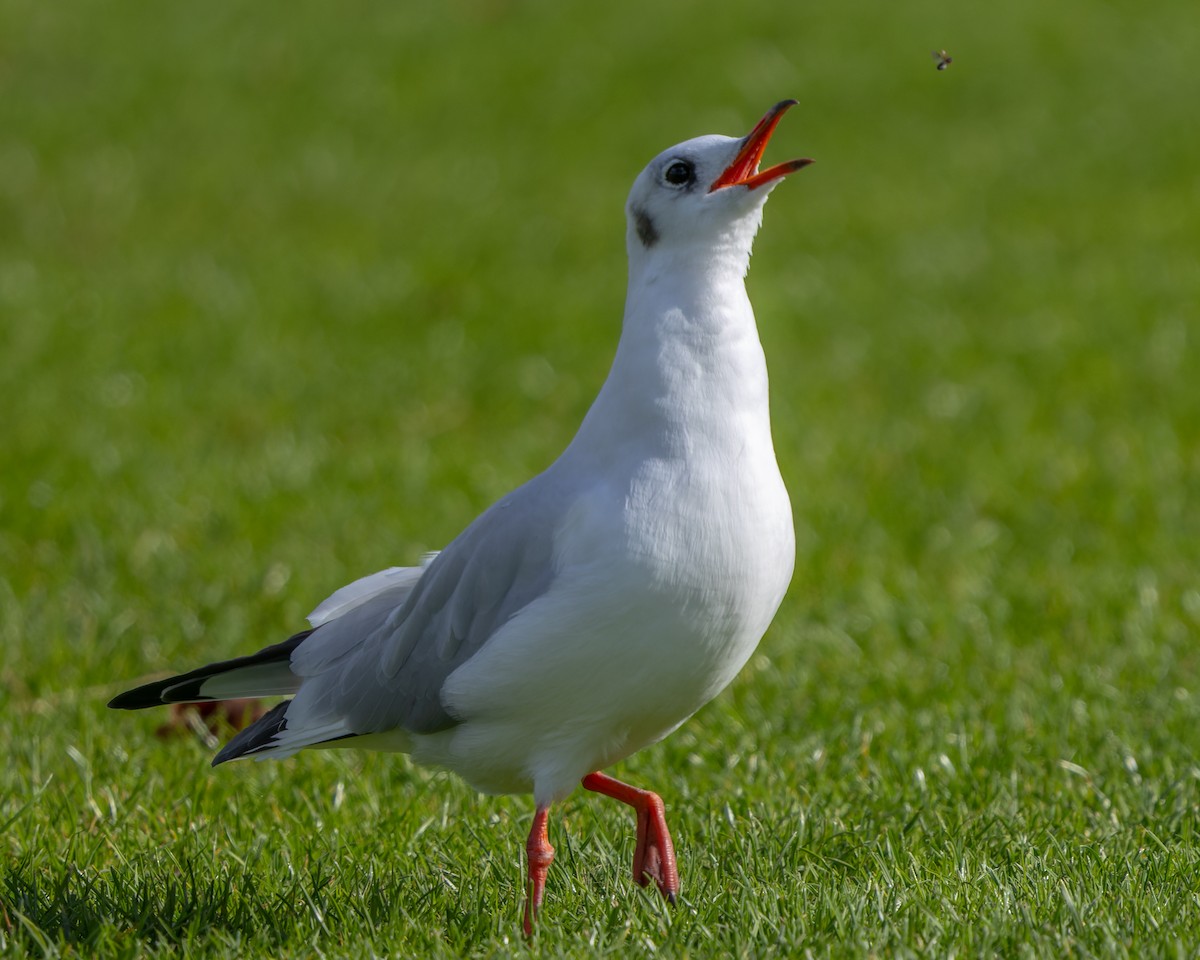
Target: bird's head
(707, 192)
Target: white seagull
(594, 609)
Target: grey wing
(383, 663)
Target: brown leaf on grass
(206, 719)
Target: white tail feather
(355, 594)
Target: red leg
(541, 855)
(654, 855)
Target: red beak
(743, 172)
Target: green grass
(288, 294)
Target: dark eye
(680, 172)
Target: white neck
(688, 359)
(698, 261)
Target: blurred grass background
(289, 293)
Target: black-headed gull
(595, 608)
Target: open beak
(743, 172)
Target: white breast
(670, 564)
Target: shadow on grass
(163, 902)
(41, 906)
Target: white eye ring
(679, 173)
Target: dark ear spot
(646, 231)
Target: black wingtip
(148, 695)
(185, 687)
(257, 737)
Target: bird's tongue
(743, 171)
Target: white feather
(355, 594)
